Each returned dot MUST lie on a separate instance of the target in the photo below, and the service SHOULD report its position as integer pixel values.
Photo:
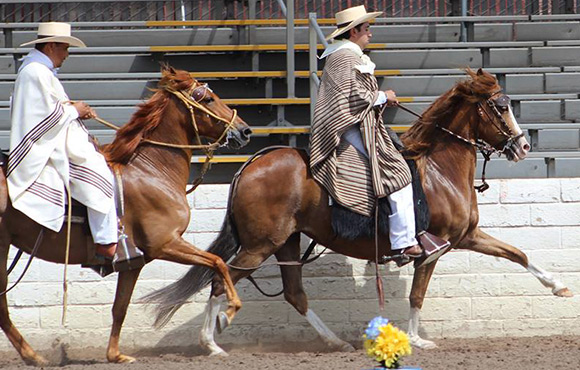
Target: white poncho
(50, 146)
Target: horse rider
(51, 152)
(352, 155)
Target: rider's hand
(85, 111)
(391, 98)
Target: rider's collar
(35, 56)
(339, 45)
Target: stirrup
(128, 256)
(433, 248)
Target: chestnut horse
(267, 214)
(154, 178)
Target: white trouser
(103, 226)
(402, 219)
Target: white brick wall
(470, 295)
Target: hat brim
(365, 18)
(71, 40)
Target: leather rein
(485, 148)
(188, 98)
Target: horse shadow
(342, 291)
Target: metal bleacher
(536, 59)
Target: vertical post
(312, 62)
(464, 36)
(252, 14)
(290, 78)
(252, 35)
(182, 8)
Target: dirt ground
(555, 352)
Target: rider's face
(57, 52)
(363, 36)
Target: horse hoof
(564, 292)
(218, 353)
(222, 322)
(37, 361)
(123, 359)
(422, 343)
(346, 347)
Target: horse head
(496, 126)
(474, 111)
(210, 116)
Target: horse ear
(479, 71)
(167, 68)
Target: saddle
(350, 225)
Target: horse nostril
(246, 132)
(526, 147)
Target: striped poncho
(346, 97)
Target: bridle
(496, 106)
(192, 99)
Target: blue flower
(372, 330)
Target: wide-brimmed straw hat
(55, 32)
(349, 18)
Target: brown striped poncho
(345, 98)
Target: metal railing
(141, 10)
(314, 34)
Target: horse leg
(24, 350)
(486, 244)
(206, 338)
(245, 259)
(125, 285)
(295, 295)
(421, 279)
(181, 251)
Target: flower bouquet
(386, 343)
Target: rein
(485, 149)
(32, 255)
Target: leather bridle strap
(485, 149)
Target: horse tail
(175, 295)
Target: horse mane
(147, 117)
(418, 139)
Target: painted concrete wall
(470, 295)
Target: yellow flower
(390, 345)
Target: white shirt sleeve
(381, 98)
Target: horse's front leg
(421, 279)
(125, 285)
(183, 252)
(24, 350)
(487, 244)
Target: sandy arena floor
(556, 352)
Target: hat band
(343, 24)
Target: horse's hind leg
(125, 285)
(24, 350)
(245, 259)
(295, 295)
(206, 337)
(421, 279)
(181, 251)
(486, 244)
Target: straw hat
(350, 18)
(55, 32)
